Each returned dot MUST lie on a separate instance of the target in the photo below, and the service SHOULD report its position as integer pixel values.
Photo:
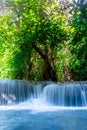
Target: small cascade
(14, 91)
(49, 93)
(70, 94)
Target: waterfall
(16, 91)
(66, 94)
(51, 93)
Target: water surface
(55, 119)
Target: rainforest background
(43, 40)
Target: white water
(41, 96)
(36, 105)
(42, 106)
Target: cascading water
(42, 105)
(16, 91)
(66, 94)
(49, 93)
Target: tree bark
(48, 73)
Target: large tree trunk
(48, 73)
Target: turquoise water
(43, 106)
(43, 120)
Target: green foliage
(38, 29)
(79, 45)
(38, 41)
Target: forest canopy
(43, 40)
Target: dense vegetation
(43, 40)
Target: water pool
(43, 105)
(43, 120)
